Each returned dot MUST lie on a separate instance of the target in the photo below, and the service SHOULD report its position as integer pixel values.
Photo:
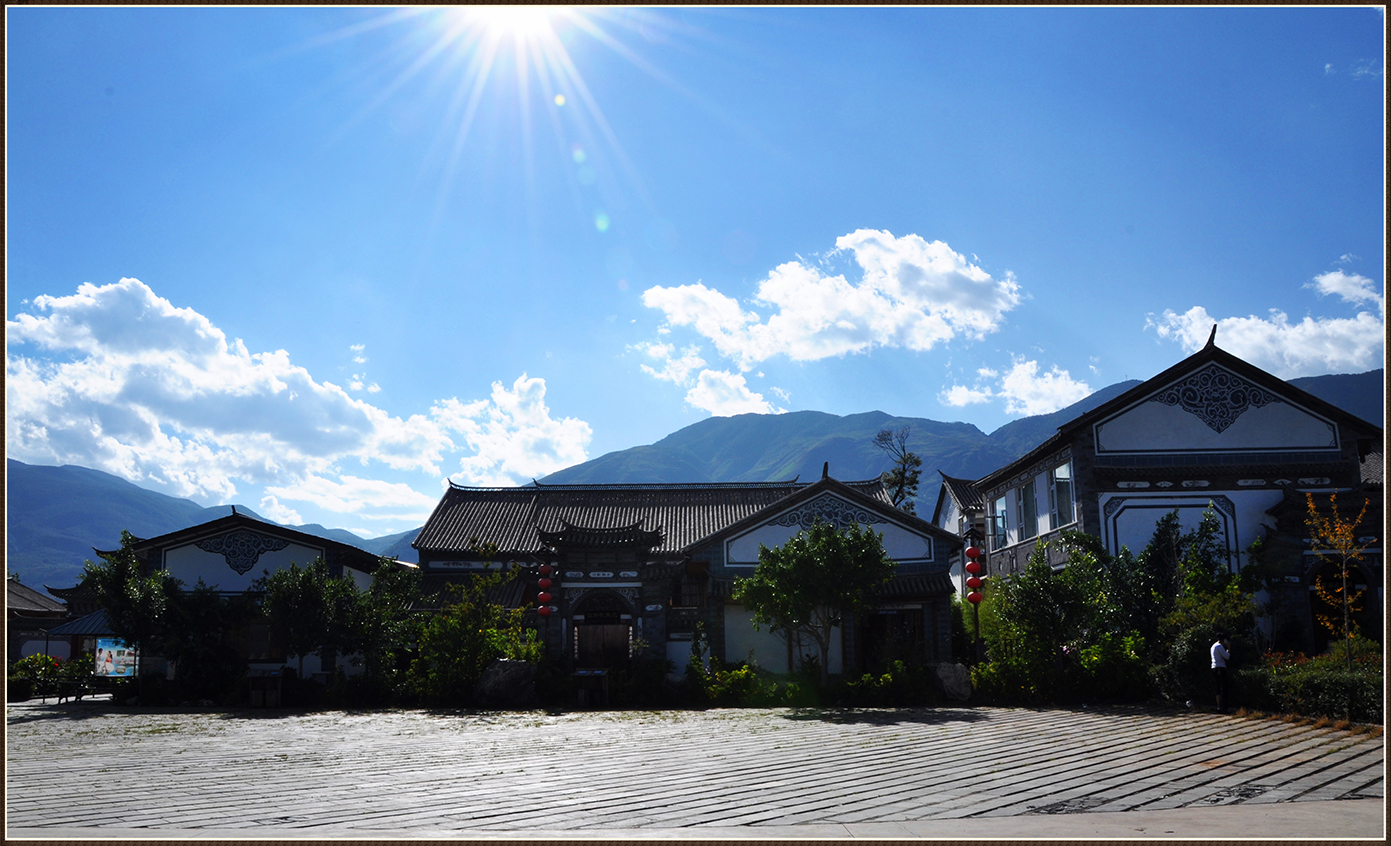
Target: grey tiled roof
(683, 513)
(27, 600)
(964, 491)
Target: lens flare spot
(560, 99)
(601, 222)
(577, 153)
(623, 284)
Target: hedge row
(1313, 691)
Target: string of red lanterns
(974, 567)
(543, 596)
(975, 583)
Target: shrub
(18, 689)
(725, 686)
(1318, 687)
(903, 685)
(1113, 669)
(42, 672)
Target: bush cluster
(45, 675)
(1322, 686)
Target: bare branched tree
(902, 481)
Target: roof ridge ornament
(1211, 339)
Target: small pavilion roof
(92, 624)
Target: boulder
(955, 680)
(508, 684)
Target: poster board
(115, 659)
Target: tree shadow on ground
(888, 716)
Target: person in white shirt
(1221, 654)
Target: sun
(521, 23)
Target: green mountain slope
(1363, 394)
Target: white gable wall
(901, 543)
(769, 651)
(1214, 410)
(188, 564)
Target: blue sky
(319, 260)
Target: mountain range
(56, 516)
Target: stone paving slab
(95, 770)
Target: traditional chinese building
(637, 566)
(229, 554)
(1213, 432)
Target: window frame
(1053, 499)
(999, 524)
(1027, 495)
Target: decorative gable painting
(1215, 410)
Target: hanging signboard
(116, 659)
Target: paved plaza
(93, 770)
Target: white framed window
(999, 524)
(1028, 511)
(1060, 505)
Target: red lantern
(974, 597)
(543, 598)
(974, 567)
(973, 583)
(972, 552)
(544, 570)
(544, 610)
(544, 584)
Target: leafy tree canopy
(810, 584)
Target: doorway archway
(603, 631)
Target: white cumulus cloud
(116, 378)
(725, 394)
(1290, 349)
(513, 434)
(1024, 390)
(912, 294)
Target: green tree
(390, 627)
(902, 480)
(470, 632)
(814, 581)
(204, 639)
(136, 603)
(310, 610)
